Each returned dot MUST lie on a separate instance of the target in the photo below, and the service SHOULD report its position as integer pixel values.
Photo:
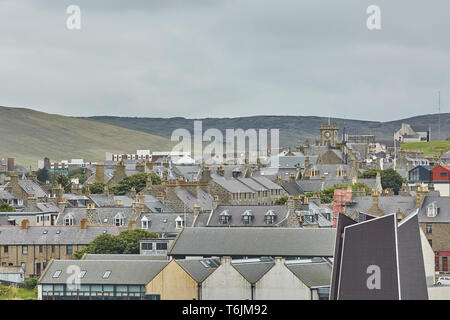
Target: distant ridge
(292, 128)
(29, 135)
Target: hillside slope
(29, 135)
(292, 128)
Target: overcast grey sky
(226, 58)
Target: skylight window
(106, 274)
(57, 273)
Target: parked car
(443, 280)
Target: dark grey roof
(199, 269)
(308, 185)
(104, 200)
(443, 203)
(267, 183)
(388, 204)
(5, 195)
(258, 213)
(292, 188)
(251, 270)
(13, 235)
(31, 187)
(105, 215)
(47, 207)
(291, 162)
(233, 185)
(252, 184)
(203, 198)
(216, 241)
(155, 205)
(311, 274)
(164, 222)
(123, 257)
(132, 272)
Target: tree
(42, 175)
(97, 187)
(137, 181)
(80, 173)
(390, 179)
(64, 182)
(6, 207)
(127, 242)
(281, 201)
(327, 195)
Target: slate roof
(31, 187)
(443, 203)
(253, 269)
(104, 200)
(203, 198)
(216, 241)
(47, 207)
(5, 195)
(311, 274)
(233, 185)
(258, 213)
(164, 222)
(122, 257)
(292, 188)
(131, 272)
(199, 269)
(388, 204)
(105, 216)
(154, 204)
(267, 183)
(291, 162)
(13, 235)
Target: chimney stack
(84, 224)
(91, 214)
(25, 224)
(100, 172)
(292, 177)
(132, 225)
(215, 202)
(196, 209)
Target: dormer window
(144, 223)
(269, 217)
(432, 210)
(68, 220)
(247, 217)
(119, 220)
(224, 217)
(179, 222)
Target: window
(269, 219)
(68, 220)
(179, 222)
(5, 249)
(161, 246)
(224, 219)
(106, 274)
(429, 228)
(147, 246)
(246, 219)
(57, 273)
(119, 220)
(41, 248)
(69, 249)
(24, 249)
(144, 223)
(443, 174)
(53, 248)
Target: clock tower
(329, 134)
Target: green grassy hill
(29, 135)
(432, 148)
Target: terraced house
(33, 247)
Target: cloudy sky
(226, 58)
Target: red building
(341, 197)
(441, 173)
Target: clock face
(327, 134)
